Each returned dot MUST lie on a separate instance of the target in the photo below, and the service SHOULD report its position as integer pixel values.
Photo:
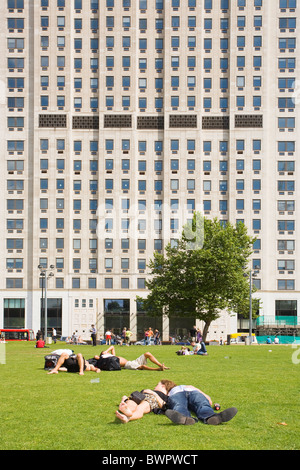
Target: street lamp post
(250, 308)
(250, 302)
(44, 274)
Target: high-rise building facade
(119, 119)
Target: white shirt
(182, 388)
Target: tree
(203, 275)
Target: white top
(182, 388)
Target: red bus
(17, 334)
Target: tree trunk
(205, 330)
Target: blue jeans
(203, 349)
(184, 402)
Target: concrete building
(119, 118)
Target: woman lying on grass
(154, 400)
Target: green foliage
(203, 275)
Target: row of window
(257, 23)
(19, 43)
(17, 283)
(158, 146)
(142, 63)
(174, 165)
(256, 225)
(158, 205)
(17, 264)
(284, 64)
(18, 165)
(284, 23)
(124, 183)
(141, 264)
(143, 4)
(256, 101)
(159, 4)
(283, 166)
(124, 283)
(14, 83)
(141, 245)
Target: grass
(69, 412)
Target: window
(14, 283)
(60, 21)
(286, 123)
(13, 83)
(44, 21)
(286, 308)
(18, 43)
(13, 122)
(286, 225)
(75, 283)
(286, 245)
(12, 4)
(286, 43)
(126, 21)
(15, 63)
(13, 102)
(286, 284)
(287, 23)
(92, 283)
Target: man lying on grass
(138, 364)
(73, 364)
(183, 399)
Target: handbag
(137, 397)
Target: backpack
(108, 363)
(51, 361)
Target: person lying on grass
(138, 364)
(73, 364)
(154, 400)
(183, 399)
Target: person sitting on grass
(199, 348)
(73, 364)
(154, 401)
(138, 364)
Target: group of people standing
(150, 334)
(125, 338)
(196, 334)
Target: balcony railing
(268, 320)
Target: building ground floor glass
(75, 313)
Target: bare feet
(122, 417)
(163, 367)
(52, 372)
(125, 410)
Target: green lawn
(67, 411)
